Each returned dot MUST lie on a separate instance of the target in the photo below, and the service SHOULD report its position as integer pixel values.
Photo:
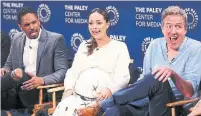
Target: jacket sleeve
(60, 61)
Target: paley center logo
(146, 43)
(12, 32)
(114, 15)
(76, 39)
(192, 18)
(44, 13)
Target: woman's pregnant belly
(91, 81)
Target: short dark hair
(102, 12)
(23, 12)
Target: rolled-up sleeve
(193, 70)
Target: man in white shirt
(39, 53)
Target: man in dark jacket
(8, 98)
(5, 47)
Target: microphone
(97, 49)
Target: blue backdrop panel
(134, 22)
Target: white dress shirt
(30, 54)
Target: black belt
(85, 98)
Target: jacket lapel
(21, 50)
(41, 47)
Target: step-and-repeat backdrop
(136, 23)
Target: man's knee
(112, 111)
(150, 79)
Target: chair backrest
(199, 89)
(70, 62)
(134, 73)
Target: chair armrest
(48, 86)
(182, 102)
(56, 89)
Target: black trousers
(9, 99)
(7, 82)
(123, 102)
(28, 98)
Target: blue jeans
(123, 102)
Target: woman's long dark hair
(92, 44)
